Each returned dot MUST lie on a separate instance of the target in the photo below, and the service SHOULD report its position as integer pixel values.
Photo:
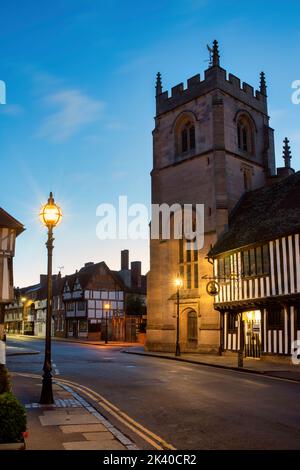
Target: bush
(12, 418)
(5, 383)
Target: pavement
(280, 369)
(70, 424)
(77, 340)
(19, 351)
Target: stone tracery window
(185, 136)
(188, 266)
(245, 134)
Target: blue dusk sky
(80, 78)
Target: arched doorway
(192, 330)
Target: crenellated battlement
(215, 77)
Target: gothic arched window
(186, 138)
(245, 135)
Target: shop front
(77, 328)
(252, 333)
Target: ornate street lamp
(50, 216)
(106, 307)
(178, 283)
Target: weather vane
(210, 50)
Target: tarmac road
(189, 406)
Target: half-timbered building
(85, 295)
(79, 302)
(95, 300)
(257, 272)
(10, 228)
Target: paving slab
(94, 445)
(82, 428)
(67, 418)
(98, 436)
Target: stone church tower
(211, 143)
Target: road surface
(188, 406)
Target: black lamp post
(178, 283)
(50, 216)
(106, 307)
(242, 339)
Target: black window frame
(275, 318)
(256, 261)
(184, 140)
(297, 316)
(231, 322)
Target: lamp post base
(177, 350)
(240, 359)
(46, 393)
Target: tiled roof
(87, 272)
(262, 215)
(7, 220)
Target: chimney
(136, 279)
(89, 263)
(124, 259)
(43, 279)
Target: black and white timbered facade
(10, 228)
(257, 270)
(85, 295)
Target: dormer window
(77, 285)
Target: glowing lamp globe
(50, 213)
(178, 282)
(106, 306)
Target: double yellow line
(150, 437)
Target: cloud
(74, 111)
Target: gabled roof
(7, 220)
(85, 274)
(262, 215)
